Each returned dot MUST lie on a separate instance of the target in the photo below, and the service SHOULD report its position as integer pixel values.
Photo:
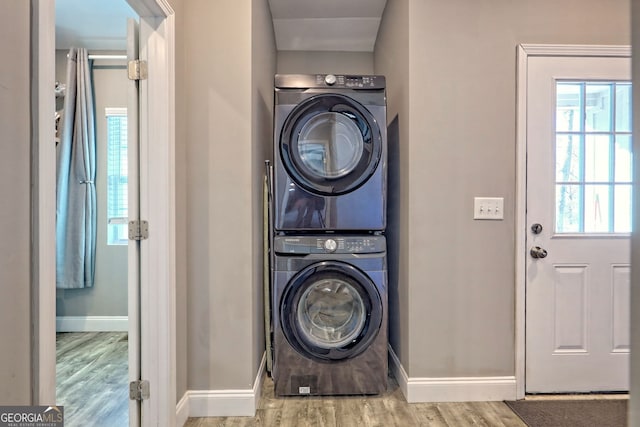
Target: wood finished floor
(92, 387)
(387, 410)
(92, 378)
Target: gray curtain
(76, 172)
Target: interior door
(133, 137)
(578, 224)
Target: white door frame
(157, 205)
(525, 51)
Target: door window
(593, 157)
(331, 313)
(330, 145)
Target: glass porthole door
(330, 144)
(331, 311)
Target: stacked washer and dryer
(328, 266)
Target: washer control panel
(329, 244)
(353, 82)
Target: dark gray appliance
(330, 153)
(329, 315)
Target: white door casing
(157, 206)
(577, 297)
(157, 183)
(133, 159)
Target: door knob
(538, 252)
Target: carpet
(571, 413)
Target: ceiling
(308, 25)
(93, 24)
(335, 25)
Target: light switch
(488, 208)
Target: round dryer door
(330, 144)
(331, 311)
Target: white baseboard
(92, 324)
(257, 383)
(398, 372)
(221, 403)
(182, 410)
(453, 389)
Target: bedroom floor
(92, 378)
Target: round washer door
(331, 311)
(330, 144)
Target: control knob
(330, 79)
(330, 245)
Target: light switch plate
(488, 208)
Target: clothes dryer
(330, 153)
(329, 315)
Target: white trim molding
(524, 52)
(221, 403)
(157, 206)
(257, 383)
(575, 50)
(520, 215)
(92, 324)
(182, 410)
(452, 389)
(398, 372)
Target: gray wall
(15, 369)
(295, 62)
(263, 66)
(225, 132)
(108, 296)
(459, 142)
(392, 60)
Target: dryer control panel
(343, 81)
(329, 244)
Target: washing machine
(329, 315)
(330, 153)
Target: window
(117, 178)
(593, 157)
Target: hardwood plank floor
(387, 410)
(92, 385)
(92, 378)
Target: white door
(579, 195)
(133, 137)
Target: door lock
(538, 252)
(536, 228)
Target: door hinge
(139, 390)
(138, 230)
(137, 69)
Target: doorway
(574, 170)
(93, 344)
(157, 281)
